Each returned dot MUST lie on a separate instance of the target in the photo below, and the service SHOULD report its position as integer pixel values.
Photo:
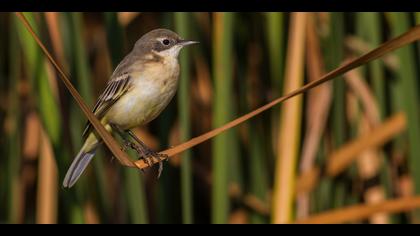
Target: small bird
(139, 89)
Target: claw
(148, 158)
(160, 169)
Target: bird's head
(162, 42)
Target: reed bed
(340, 151)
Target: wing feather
(114, 89)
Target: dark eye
(166, 42)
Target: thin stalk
(115, 37)
(81, 59)
(4, 27)
(136, 197)
(275, 40)
(258, 174)
(290, 124)
(47, 193)
(14, 139)
(334, 57)
(410, 94)
(370, 22)
(222, 70)
(135, 192)
(276, 47)
(181, 26)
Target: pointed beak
(184, 42)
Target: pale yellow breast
(152, 89)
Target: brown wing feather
(113, 91)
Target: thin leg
(126, 143)
(147, 149)
(142, 149)
(149, 152)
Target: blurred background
(350, 142)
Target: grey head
(154, 46)
(163, 42)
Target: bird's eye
(166, 42)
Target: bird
(139, 89)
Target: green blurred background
(351, 141)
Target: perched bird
(140, 88)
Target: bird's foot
(139, 149)
(149, 156)
(146, 154)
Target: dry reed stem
(376, 195)
(359, 46)
(256, 204)
(125, 18)
(318, 105)
(90, 214)
(32, 136)
(363, 211)
(46, 212)
(340, 159)
(288, 146)
(365, 95)
(369, 161)
(404, 186)
(307, 180)
(319, 99)
(54, 30)
(239, 216)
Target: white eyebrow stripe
(161, 39)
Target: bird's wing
(115, 88)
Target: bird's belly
(142, 104)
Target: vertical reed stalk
(222, 70)
(181, 26)
(409, 85)
(290, 123)
(275, 40)
(14, 136)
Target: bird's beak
(184, 42)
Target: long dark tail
(77, 167)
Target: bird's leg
(149, 153)
(142, 149)
(126, 143)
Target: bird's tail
(81, 161)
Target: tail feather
(77, 167)
(82, 159)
